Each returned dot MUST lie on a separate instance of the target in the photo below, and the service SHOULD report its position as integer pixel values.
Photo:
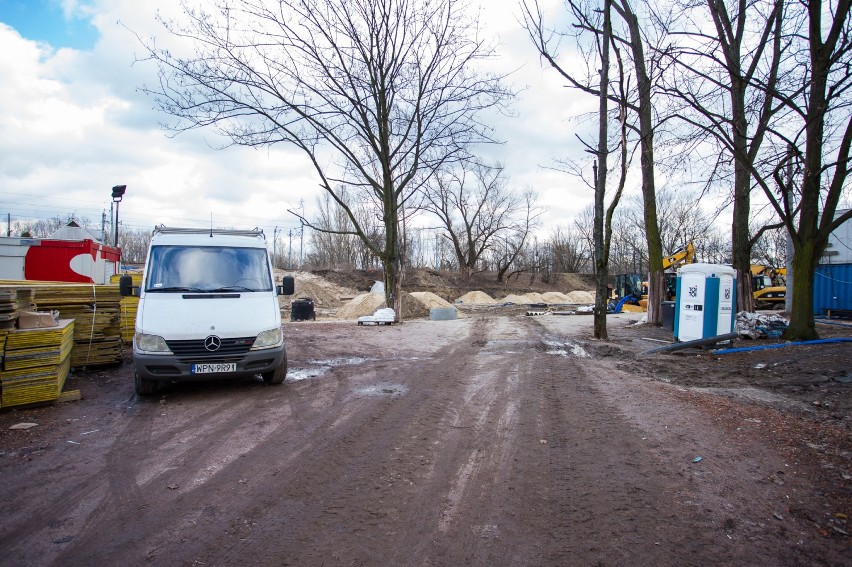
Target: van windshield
(207, 269)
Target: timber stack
(36, 364)
(95, 310)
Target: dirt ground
(495, 439)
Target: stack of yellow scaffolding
(36, 364)
(96, 312)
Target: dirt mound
(361, 305)
(552, 297)
(430, 300)
(580, 297)
(325, 294)
(413, 308)
(330, 290)
(574, 282)
(476, 298)
(368, 303)
(524, 299)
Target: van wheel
(145, 387)
(276, 376)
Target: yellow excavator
(769, 286)
(630, 292)
(671, 263)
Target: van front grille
(230, 350)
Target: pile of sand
(360, 305)
(552, 297)
(580, 297)
(429, 299)
(324, 293)
(368, 303)
(476, 298)
(524, 299)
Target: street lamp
(117, 194)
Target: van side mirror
(125, 286)
(287, 287)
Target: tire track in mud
(101, 501)
(48, 517)
(158, 517)
(340, 488)
(485, 468)
(608, 493)
(135, 495)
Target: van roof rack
(163, 229)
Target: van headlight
(151, 343)
(268, 339)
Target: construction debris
(384, 316)
(758, 325)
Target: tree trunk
(802, 327)
(392, 260)
(745, 288)
(656, 292)
(740, 238)
(600, 170)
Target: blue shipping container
(832, 288)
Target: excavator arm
(685, 255)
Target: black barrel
(668, 315)
(302, 309)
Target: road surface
(482, 441)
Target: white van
(208, 308)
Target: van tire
(276, 376)
(145, 387)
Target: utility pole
(301, 243)
(290, 251)
(275, 247)
(103, 226)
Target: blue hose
(780, 345)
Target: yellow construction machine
(671, 263)
(630, 291)
(769, 286)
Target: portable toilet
(706, 301)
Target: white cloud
(75, 123)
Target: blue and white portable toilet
(706, 301)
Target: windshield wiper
(177, 288)
(232, 288)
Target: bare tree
(475, 206)
(510, 251)
(134, 244)
(586, 21)
(811, 174)
(713, 79)
(38, 229)
(333, 245)
(378, 94)
(771, 249)
(603, 213)
(568, 250)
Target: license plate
(214, 368)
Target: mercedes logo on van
(212, 343)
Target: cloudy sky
(74, 123)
